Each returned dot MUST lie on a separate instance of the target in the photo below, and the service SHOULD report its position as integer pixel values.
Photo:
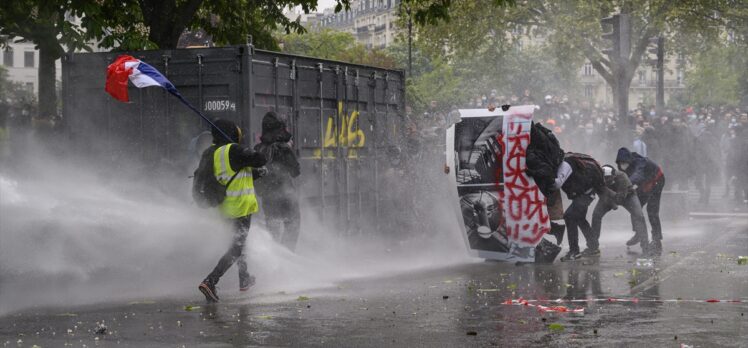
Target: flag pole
(185, 102)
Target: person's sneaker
(209, 290)
(245, 284)
(633, 241)
(590, 253)
(570, 256)
(655, 248)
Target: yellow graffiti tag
(350, 136)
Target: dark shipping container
(345, 118)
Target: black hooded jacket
(544, 155)
(641, 170)
(283, 164)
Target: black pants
(651, 200)
(283, 220)
(235, 254)
(576, 218)
(633, 206)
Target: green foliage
(335, 45)
(716, 75)
(440, 84)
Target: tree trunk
(48, 55)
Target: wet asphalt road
(450, 307)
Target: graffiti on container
(526, 214)
(350, 136)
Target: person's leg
(638, 223)
(292, 224)
(575, 218)
(242, 230)
(556, 215)
(601, 208)
(273, 212)
(653, 210)
(234, 252)
(584, 225)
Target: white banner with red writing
(502, 212)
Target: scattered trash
(302, 298)
(487, 290)
(142, 302)
(511, 286)
(594, 331)
(683, 345)
(67, 315)
(644, 263)
(742, 260)
(265, 317)
(619, 274)
(448, 281)
(556, 327)
(100, 329)
(472, 333)
(191, 308)
(445, 297)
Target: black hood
(624, 155)
(274, 129)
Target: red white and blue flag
(138, 72)
(141, 74)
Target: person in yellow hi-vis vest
(235, 167)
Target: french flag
(138, 72)
(142, 75)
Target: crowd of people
(699, 147)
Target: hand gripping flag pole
(142, 75)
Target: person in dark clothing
(580, 177)
(278, 196)
(238, 205)
(649, 181)
(543, 157)
(619, 191)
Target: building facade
(21, 60)
(372, 22)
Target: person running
(233, 166)
(648, 180)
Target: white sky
(323, 4)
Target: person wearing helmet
(619, 191)
(235, 167)
(649, 181)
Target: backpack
(588, 166)
(548, 143)
(206, 190)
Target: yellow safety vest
(240, 198)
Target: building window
(8, 57)
(28, 59)
(588, 91)
(642, 77)
(587, 69)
